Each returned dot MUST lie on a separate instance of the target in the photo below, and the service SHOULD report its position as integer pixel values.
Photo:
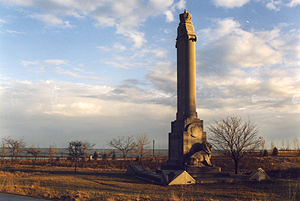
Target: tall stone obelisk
(187, 129)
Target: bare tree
(296, 144)
(106, 154)
(124, 144)
(234, 138)
(142, 144)
(3, 150)
(77, 150)
(34, 152)
(61, 152)
(287, 145)
(262, 144)
(51, 151)
(15, 146)
(272, 145)
(282, 144)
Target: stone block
(177, 177)
(203, 172)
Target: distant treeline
(63, 153)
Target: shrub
(114, 156)
(275, 152)
(265, 153)
(95, 156)
(137, 158)
(104, 156)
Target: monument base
(172, 167)
(203, 172)
(195, 171)
(192, 175)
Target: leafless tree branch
(234, 138)
(125, 144)
(142, 144)
(15, 146)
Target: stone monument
(188, 148)
(189, 152)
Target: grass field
(62, 183)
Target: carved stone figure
(199, 155)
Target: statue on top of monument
(185, 16)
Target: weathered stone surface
(186, 68)
(188, 149)
(203, 172)
(177, 177)
(187, 129)
(259, 175)
(140, 172)
(199, 155)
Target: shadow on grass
(119, 176)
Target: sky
(95, 70)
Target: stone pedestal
(184, 134)
(203, 172)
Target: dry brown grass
(111, 183)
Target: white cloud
(104, 48)
(116, 64)
(159, 53)
(163, 77)
(14, 32)
(26, 63)
(230, 3)
(78, 69)
(42, 64)
(62, 71)
(271, 5)
(287, 43)
(126, 16)
(293, 3)
(169, 15)
(21, 2)
(67, 110)
(3, 21)
(158, 4)
(55, 62)
(39, 66)
(231, 46)
(181, 4)
(137, 37)
(105, 21)
(169, 12)
(34, 66)
(251, 73)
(119, 47)
(52, 20)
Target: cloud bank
(251, 73)
(125, 16)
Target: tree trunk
(236, 166)
(12, 159)
(75, 165)
(34, 162)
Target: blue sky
(95, 70)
